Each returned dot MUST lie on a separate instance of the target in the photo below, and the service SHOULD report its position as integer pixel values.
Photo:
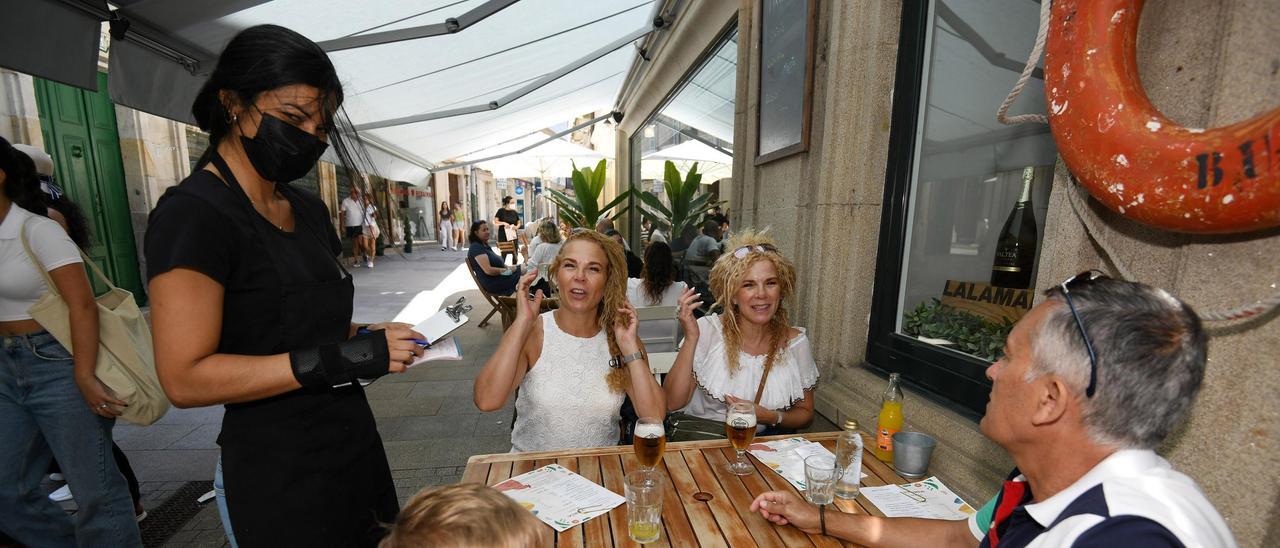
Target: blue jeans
(221, 494)
(43, 415)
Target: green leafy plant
(687, 204)
(966, 332)
(583, 209)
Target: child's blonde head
(466, 515)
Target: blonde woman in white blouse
(724, 356)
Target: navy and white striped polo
(1132, 498)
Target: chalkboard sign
(786, 31)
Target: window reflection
(694, 126)
(970, 174)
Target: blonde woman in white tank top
(569, 394)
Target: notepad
(446, 350)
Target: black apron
(304, 468)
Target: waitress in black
(251, 308)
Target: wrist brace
(334, 365)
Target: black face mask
(280, 151)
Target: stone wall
(824, 206)
(155, 157)
(1220, 68)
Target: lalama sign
(988, 301)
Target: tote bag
(126, 362)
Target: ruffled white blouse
(793, 373)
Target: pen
(422, 343)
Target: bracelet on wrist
(822, 518)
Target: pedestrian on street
(370, 231)
(507, 220)
(446, 226)
(459, 225)
(252, 310)
(71, 217)
(351, 223)
(52, 403)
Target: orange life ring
(1131, 157)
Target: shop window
(965, 196)
(693, 125)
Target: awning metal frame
(514, 95)
(122, 27)
(449, 26)
(615, 115)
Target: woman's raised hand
(689, 301)
(625, 329)
(527, 308)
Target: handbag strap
(26, 245)
(763, 378)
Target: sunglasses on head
(761, 248)
(1077, 281)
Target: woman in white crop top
(724, 356)
(51, 402)
(574, 365)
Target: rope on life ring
(1132, 158)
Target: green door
(79, 129)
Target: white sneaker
(369, 263)
(56, 477)
(62, 494)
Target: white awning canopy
(554, 158)
(539, 62)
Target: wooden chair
(508, 305)
(509, 246)
(498, 307)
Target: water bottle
(849, 459)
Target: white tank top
(564, 400)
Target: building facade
(900, 183)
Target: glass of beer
(740, 426)
(643, 489)
(649, 441)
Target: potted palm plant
(688, 205)
(583, 209)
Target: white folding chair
(652, 313)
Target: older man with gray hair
(1092, 380)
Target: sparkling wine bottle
(1016, 248)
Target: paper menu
(447, 350)
(786, 457)
(558, 497)
(927, 498)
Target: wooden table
(690, 467)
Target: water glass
(820, 478)
(644, 505)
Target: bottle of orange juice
(890, 421)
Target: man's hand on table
(785, 508)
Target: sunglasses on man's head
(1077, 281)
(744, 250)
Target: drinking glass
(740, 427)
(649, 440)
(644, 505)
(820, 478)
